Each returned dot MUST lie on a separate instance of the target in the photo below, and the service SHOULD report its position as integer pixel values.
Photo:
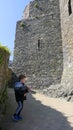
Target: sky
(11, 11)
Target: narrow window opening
(69, 7)
(52, 16)
(39, 44)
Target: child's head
(22, 78)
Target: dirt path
(40, 113)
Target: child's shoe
(16, 118)
(20, 117)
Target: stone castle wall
(38, 44)
(66, 9)
(39, 8)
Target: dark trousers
(19, 108)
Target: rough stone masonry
(66, 12)
(43, 46)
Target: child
(20, 94)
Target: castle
(44, 43)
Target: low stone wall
(4, 60)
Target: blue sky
(10, 12)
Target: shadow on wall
(36, 116)
(13, 78)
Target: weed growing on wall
(36, 5)
(22, 24)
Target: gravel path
(40, 113)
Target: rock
(44, 91)
(71, 92)
(69, 98)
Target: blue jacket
(20, 90)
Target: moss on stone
(3, 50)
(4, 59)
(36, 5)
(3, 100)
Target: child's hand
(24, 94)
(29, 88)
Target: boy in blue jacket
(20, 94)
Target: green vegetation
(3, 100)
(4, 56)
(36, 5)
(22, 24)
(3, 50)
(1, 58)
